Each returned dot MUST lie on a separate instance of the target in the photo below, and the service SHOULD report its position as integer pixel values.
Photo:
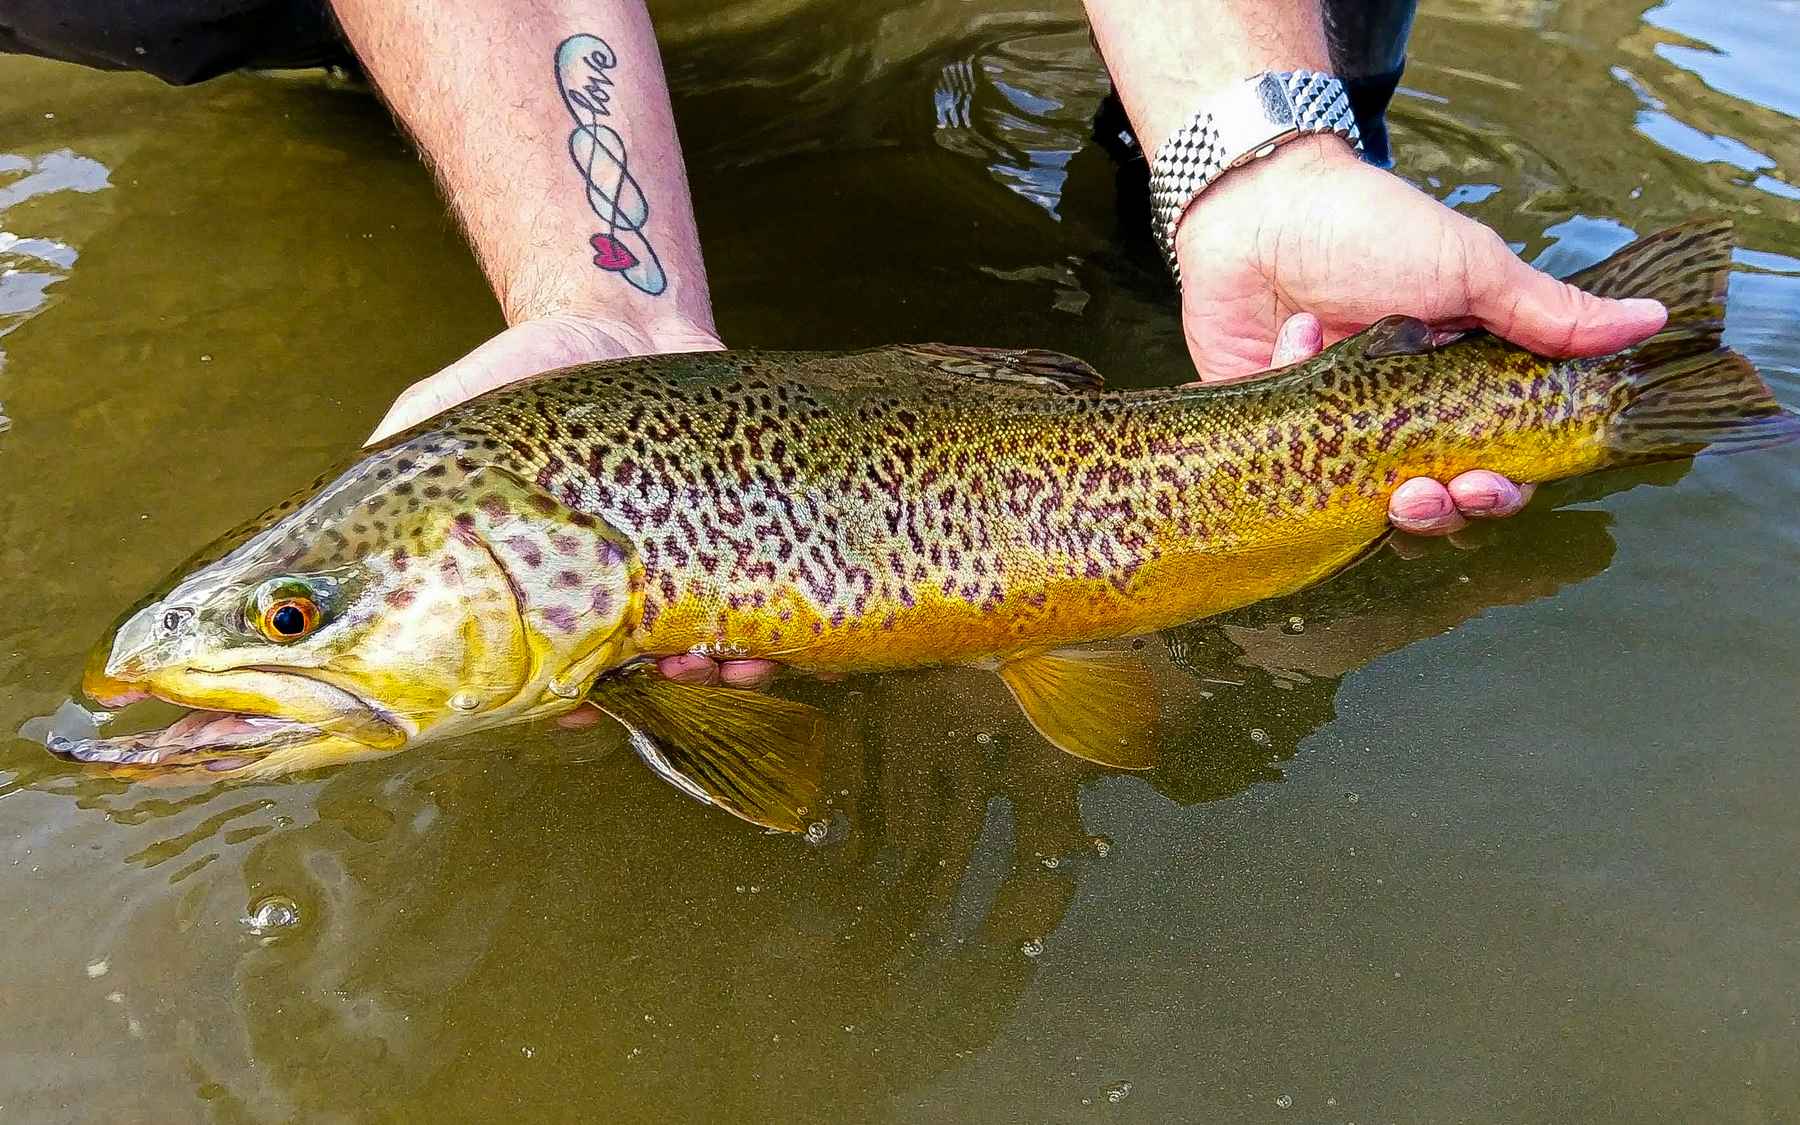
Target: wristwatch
(1239, 125)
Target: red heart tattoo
(611, 254)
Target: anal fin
(754, 755)
(1098, 705)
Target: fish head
(374, 612)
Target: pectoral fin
(751, 754)
(1096, 705)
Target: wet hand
(541, 344)
(1305, 247)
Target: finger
(689, 668)
(1422, 506)
(1547, 316)
(750, 674)
(586, 715)
(1483, 495)
(1301, 337)
(413, 405)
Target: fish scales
(875, 510)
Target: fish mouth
(230, 721)
(216, 741)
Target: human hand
(692, 668)
(531, 346)
(1309, 245)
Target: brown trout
(859, 512)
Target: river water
(1501, 830)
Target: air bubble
(1118, 1092)
(1296, 624)
(1259, 736)
(985, 738)
(1032, 947)
(1101, 845)
(1285, 1101)
(272, 914)
(1051, 862)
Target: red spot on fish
(611, 254)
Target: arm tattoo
(620, 247)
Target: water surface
(1501, 832)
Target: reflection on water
(1485, 830)
(1737, 49)
(30, 266)
(1023, 105)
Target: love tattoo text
(583, 63)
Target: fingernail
(1430, 506)
(1644, 308)
(1485, 500)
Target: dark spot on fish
(560, 617)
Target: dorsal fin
(1406, 335)
(1033, 366)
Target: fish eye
(290, 619)
(290, 607)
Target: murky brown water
(1503, 833)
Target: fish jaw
(214, 746)
(241, 722)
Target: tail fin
(1687, 392)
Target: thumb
(1550, 317)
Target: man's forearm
(1165, 56)
(548, 123)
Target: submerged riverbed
(1498, 830)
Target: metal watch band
(1240, 125)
